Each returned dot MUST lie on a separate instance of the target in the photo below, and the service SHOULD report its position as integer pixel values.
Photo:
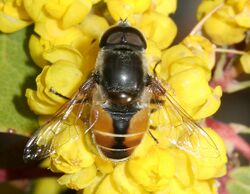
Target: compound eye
(123, 35)
(134, 39)
(115, 38)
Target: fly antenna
(123, 22)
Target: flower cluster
(228, 26)
(232, 19)
(65, 42)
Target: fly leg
(59, 94)
(153, 137)
(157, 92)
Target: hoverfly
(120, 91)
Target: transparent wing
(181, 130)
(43, 143)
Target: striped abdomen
(117, 134)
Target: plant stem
(230, 51)
(198, 26)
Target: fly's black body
(122, 77)
(120, 90)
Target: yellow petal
(189, 63)
(11, 24)
(56, 9)
(80, 179)
(66, 85)
(238, 5)
(38, 106)
(243, 18)
(210, 166)
(38, 101)
(174, 187)
(211, 105)
(120, 9)
(35, 9)
(164, 7)
(107, 185)
(202, 48)
(205, 7)
(76, 13)
(123, 183)
(141, 6)
(245, 62)
(41, 94)
(70, 152)
(171, 55)
(91, 189)
(183, 171)
(204, 187)
(65, 53)
(94, 26)
(143, 148)
(36, 49)
(51, 30)
(14, 9)
(191, 88)
(154, 172)
(153, 54)
(157, 27)
(216, 28)
(103, 165)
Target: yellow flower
(64, 159)
(192, 90)
(186, 67)
(195, 46)
(123, 182)
(103, 165)
(37, 46)
(211, 165)
(231, 19)
(75, 12)
(157, 27)
(245, 62)
(153, 54)
(183, 172)
(201, 47)
(43, 101)
(13, 16)
(91, 189)
(106, 185)
(50, 30)
(68, 13)
(79, 180)
(126, 8)
(154, 172)
(242, 11)
(164, 7)
(82, 38)
(94, 26)
(64, 53)
(66, 40)
(206, 187)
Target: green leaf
(17, 72)
(239, 182)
